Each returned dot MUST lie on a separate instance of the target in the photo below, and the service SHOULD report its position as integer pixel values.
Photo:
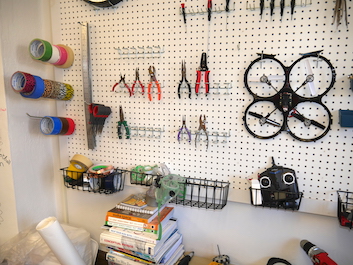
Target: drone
(289, 98)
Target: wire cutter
(137, 80)
(152, 71)
(203, 68)
(183, 78)
(122, 80)
(183, 127)
(202, 127)
(122, 123)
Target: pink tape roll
(63, 56)
(22, 82)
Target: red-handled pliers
(122, 79)
(137, 80)
(151, 71)
(203, 68)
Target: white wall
(33, 155)
(247, 234)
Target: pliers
(203, 68)
(151, 71)
(183, 127)
(137, 79)
(183, 78)
(202, 127)
(122, 79)
(122, 123)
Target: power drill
(316, 254)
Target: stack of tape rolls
(32, 86)
(79, 164)
(97, 173)
(58, 55)
(50, 125)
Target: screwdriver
(262, 5)
(282, 8)
(184, 14)
(292, 5)
(227, 10)
(209, 9)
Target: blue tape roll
(51, 125)
(38, 89)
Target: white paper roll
(54, 235)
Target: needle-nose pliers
(153, 78)
(183, 78)
(202, 127)
(183, 127)
(137, 80)
(122, 123)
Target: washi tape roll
(63, 56)
(48, 88)
(70, 57)
(55, 56)
(50, 125)
(69, 92)
(38, 90)
(22, 82)
(40, 50)
(78, 165)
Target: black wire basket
(96, 183)
(197, 192)
(276, 199)
(345, 208)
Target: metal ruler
(87, 85)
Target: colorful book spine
(164, 214)
(130, 227)
(131, 215)
(120, 259)
(143, 236)
(128, 243)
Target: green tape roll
(40, 50)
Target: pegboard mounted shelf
(96, 183)
(345, 208)
(253, 7)
(200, 193)
(201, 11)
(215, 137)
(140, 52)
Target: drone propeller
(270, 78)
(263, 119)
(307, 122)
(310, 74)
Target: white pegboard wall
(322, 167)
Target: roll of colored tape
(48, 88)
(71, 126)
(65, 126)
(22, 82)
(97, 171)
(38, 90)
(63, 56)
(40, 50)
(78, 165)
(111, 181)
(70, 57)
(55, 56)
(69, 92)
(50, 125)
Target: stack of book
(141, 234)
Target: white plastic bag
(28, 248)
